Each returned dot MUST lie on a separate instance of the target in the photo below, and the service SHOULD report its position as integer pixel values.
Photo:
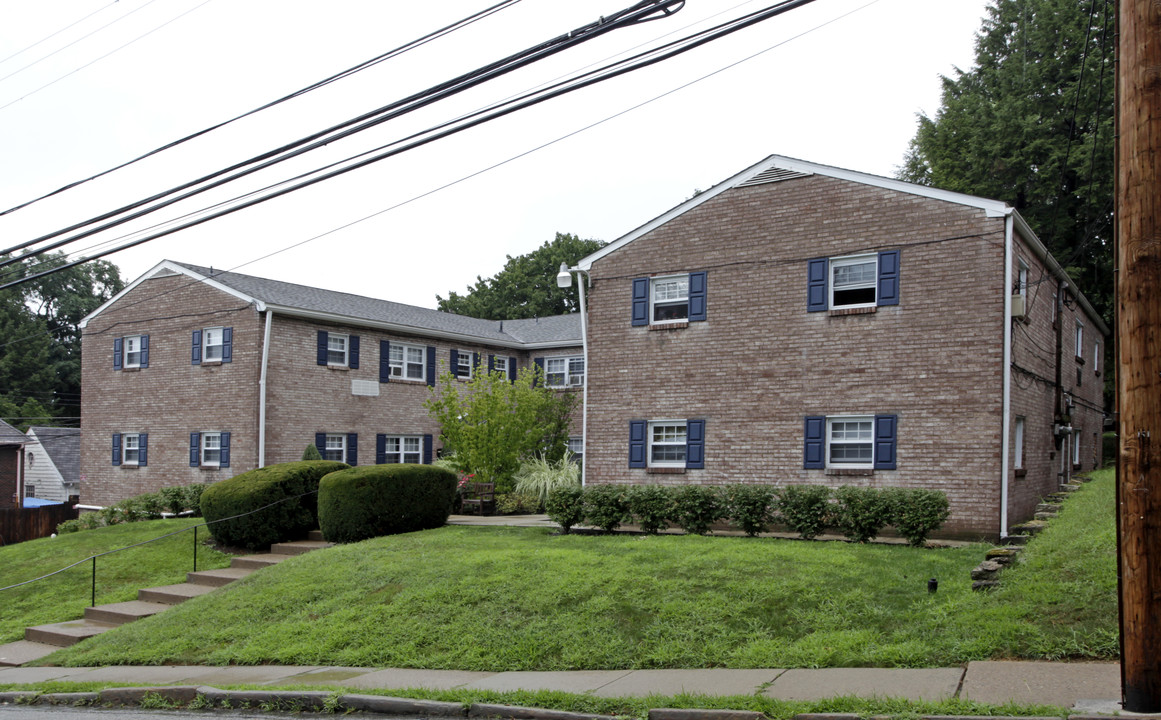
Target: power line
(58, 32)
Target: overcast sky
(837, 82)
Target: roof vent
(774, 174)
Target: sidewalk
(1080, 687)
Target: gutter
(262, 390)
(1006, 422)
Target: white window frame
(1096, 357)
(670, 301)
(1079, 338)
(566, 374)
(831, 443)
(653, 443)
(210, 442)
(399, 368)
(1022, 280)
(838, 263)
(212, 351)
(576, 447)
(401, 452)
(1076, 447)
(500, 364)
(335, 442)
(1018, 441)
(127, 447)
(346, 349)
(464, 362)
(128, 342)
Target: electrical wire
(58, 32)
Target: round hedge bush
(365, 502)
(258, 488)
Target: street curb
(402, 706)
(182, 694)
(487, 710)
(295, 700)
(74, 699)
(703, 714)
(11, 698)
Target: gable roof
(63, 447)
(338, 307)
(10, 435)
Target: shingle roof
(10, 435)
(559, 329)
(63, 446)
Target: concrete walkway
(1080, 687)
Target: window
(1096, 358)
(1022, 280)
(212, 348)
(464, 365)
(850, 442)
(406, 362)
(564, 372)
(669, 299)
(856, 281)
(576, 448)
(130, 449)
(667, 444)
(212, 345)
(1080, 340)
(335, 448)
(500, 364)
(402, 449)
(209, 449)
(336, 349)
(29, 491)
(131, 351)
(1076, 447)
(1018, 455)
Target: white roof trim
(180, 270)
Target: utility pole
(1138, 304)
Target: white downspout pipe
(1006, 422)
(262, 390)
(585, 391)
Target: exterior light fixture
(564, 277)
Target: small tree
(493, 424)
(311, 453)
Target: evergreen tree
(1032, 124)
(526, 287)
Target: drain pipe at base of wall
(262, 391)
(1006, 422)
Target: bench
(479, 498)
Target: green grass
(522, 599)
(119, 576)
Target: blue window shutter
(431, 365)
(538, 376)
(491, 363)
(886, 427)
(384, 361)
(118, 350)
(227, 344)
(195, 449)
(143, 449)
(511, 368)
(695, 444)
(195, 357)
(116, 448)
(353, 352)
(640, 301)
(224, 460)
(352, 449)
(888, 277)
(637, 443)
(320, 442)
(814, 431)
(144, 353)
(454, 363)
(427, 443)
(475, 363)
(380, 449)
(816, 294)
(323, 339)
(697, 296)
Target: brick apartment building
(803, 324)
(193, 375)
(796, 323)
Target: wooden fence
(31, 523)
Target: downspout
(1006, 422)
(262, 391)
(585, 390)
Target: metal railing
(194, 528)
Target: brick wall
(9, 466)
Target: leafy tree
(1032, 124)
(526, 287)
(493, 425)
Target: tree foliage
(1032, 124)
(40, 336)
(493, 425)
(526, 287)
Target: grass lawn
(119, 576)
(521, 599)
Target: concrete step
(315, 535)
(1044, 515)
(257, 562)
(299, 547)
(173, 594)
(124, 612)
(23, 651)
(217, 578)
(66, 633)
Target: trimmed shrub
(192, 498)
(311, 453)
(750, 507)
(861, 512)
(697, 507)
(263, 487)
(565, 507)
(916, 512)
(68, 526)
(606, 506)
(804, 509)
(365, 502)
(652, 506)
(515, 503)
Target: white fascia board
(176, 268)
(1039, 250)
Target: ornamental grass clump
(539, 477)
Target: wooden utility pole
(1138, 303)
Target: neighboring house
(52, 463)
(195, 375)
(804, 324)
(12, 443)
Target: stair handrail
(93, 558)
